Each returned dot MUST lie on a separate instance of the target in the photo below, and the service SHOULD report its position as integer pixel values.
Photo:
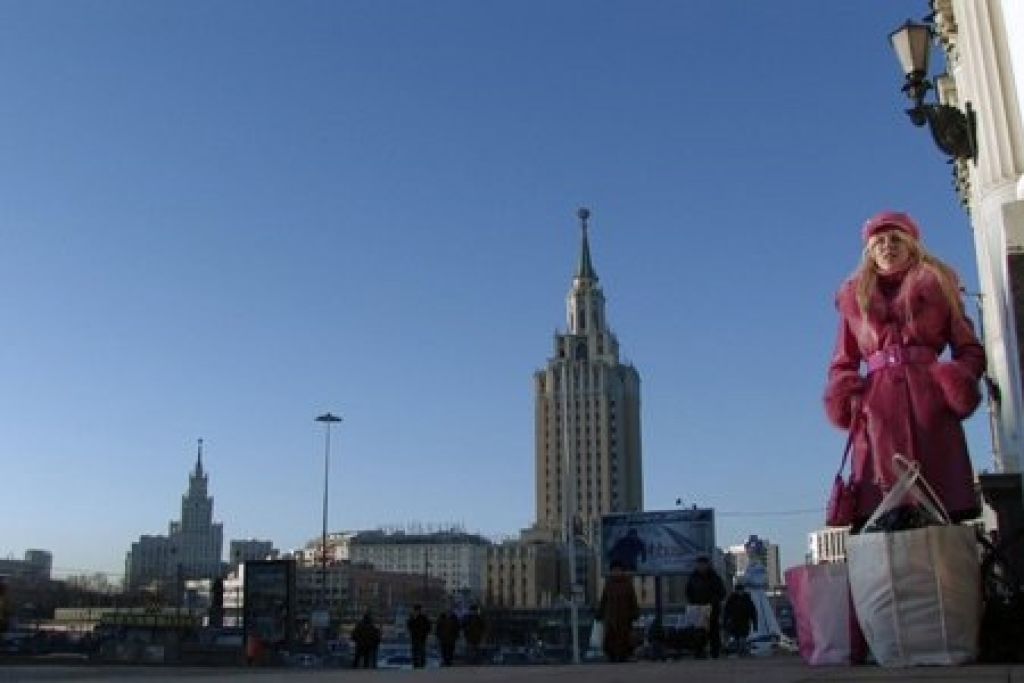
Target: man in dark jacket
(419, 628)
(740, 617)
(705, 587)
(447, 630)
(366, 637)
(474, 627)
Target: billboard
(657, 543)
(269, 600)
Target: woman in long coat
(898, 313)
(618, 610)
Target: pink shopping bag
(826, 625)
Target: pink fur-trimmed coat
(911, 409)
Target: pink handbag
(842, 502)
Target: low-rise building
(759, 550)
(827, 545)
(36, 565)
(337, 549)
(523, 574)
(459, 559)
(345, 589)
(250, 549)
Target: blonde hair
(949, 281)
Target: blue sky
(220, 219)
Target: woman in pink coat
(898, 313)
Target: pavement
(777, 669)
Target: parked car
(513, 657)
(395, 660)
(304, 660)
(403, 660)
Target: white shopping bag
(916, 593)
(697, 616)
(597, 635)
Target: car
(513, 658)
(304, 660)
(395, 661)
(771, 644)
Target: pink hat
(890, 220)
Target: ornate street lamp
(952, 129)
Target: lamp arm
(953, 130)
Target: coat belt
(891, 356)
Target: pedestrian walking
(705, 587)
(474, 627)
(618, 610)
(418, 625)
(740, 618)
(897, 313)
(366, 638)
(447, 629)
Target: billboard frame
(274, 606)
(682, 535)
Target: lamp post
(953, 130)
(327, 419)
(569, 513)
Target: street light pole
(569, 513)
(327, 419)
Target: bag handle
(895, 494)
(857, 414)
(908, 482)
(923, 492)
(846, 454)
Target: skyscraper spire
(199, 459)
(586, 268)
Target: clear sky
(220, 219)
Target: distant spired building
(192, 548)
(587, 415)
(587, 422)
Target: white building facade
(984, 44)
(337, 549)
(457, 558)
(827, 545)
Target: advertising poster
(269, 600)
(658, 543)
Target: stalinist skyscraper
(587, 415)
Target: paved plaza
(770, 670)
